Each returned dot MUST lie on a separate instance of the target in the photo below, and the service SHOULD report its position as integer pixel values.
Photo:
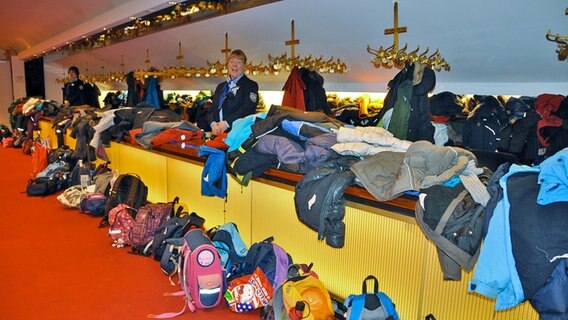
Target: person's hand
(215, 129)
(223, 126)
(66, 103)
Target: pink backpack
(202, 279)
(121, 220)
(148, 219)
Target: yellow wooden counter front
(386, 244)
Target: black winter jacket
(419, 124)
(320, 202)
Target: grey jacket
(387, 175)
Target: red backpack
(148, 219)
(121, 219)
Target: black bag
(128, 189)
(44, 186)
(175, 227)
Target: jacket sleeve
(214, 107)
(250, 101)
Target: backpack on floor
(271, 259)
(128, 189)
(72, 196)
(44, 186)
(149, 217)
(121, 219)
(370, 305)
(201, 276)
(301, 296)
(231, 248)
(174, 227)
(94, 204)
(249, 292)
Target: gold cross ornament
(396, 29)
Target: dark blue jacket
(74, 92)
(538, 234)
(235, 106)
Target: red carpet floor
(55, 263)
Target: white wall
(5, 91)
(18, 78)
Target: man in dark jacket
(233, 99)
(73, 91)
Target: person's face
(236, 67)
(72, 75)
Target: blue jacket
(241, 130)
(500, 280)
(553, 178)
(214, 176)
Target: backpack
(72, 196)
(121, 219)
(302, 296)
(370, 306)
(7, 142)
(173, 228)
(40, 156)
(230, 246)
(43, 186)
(271, 259)
(128, 189)
(201, 276)
(94, 204)
(148, 219)
(249, 292)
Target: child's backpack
(40, 156)
(148, 219)
(249, 292)
(302, 296)
(370, 306)
(121, 219)
(128, 189)
(94, 204)
(43, 186)
(201, 276)
(271, 259)
(173, 228)
(230, 246)
(8, 142)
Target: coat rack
(392, 56)
(561, 40)
(321, 65)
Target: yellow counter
(381, 242)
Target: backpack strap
(278, 302)
(375, 285)
(449, 211)
(357, 306)
(387, 304)
(167, 315)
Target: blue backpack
(270, 258)
(366, 306)
(230, 246)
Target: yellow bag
(313, 293)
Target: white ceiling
(493, 46)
